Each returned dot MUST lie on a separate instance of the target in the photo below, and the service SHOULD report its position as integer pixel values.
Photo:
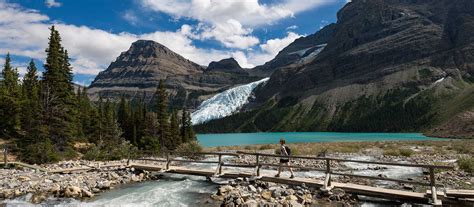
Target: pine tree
(174, 130)
(58, 94)
(163, 118)
(31, 108)
(10, 101)
(151, 138)
(125, 120)
(187, 131)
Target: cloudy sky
(96, 31)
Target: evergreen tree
(163, 118)
(10, 101)
(125, 120)
(31, 108)
(151, 137)
(174, 130)
(58, 94)
(187, 131)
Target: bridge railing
(329, 171)
(258, 164)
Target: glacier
(225, 103)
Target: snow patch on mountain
(225, 103)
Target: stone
(291, 198)
(217, 197)
(38, 198)
(294, 203)
(266, 195)
(23, 178)
(224, 189)
(55, 189)
(86, 193)
(251, 203)
(72, 192)
(252, 188)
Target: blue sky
(96, 31)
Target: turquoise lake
(232, 139)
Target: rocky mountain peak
(229, 65)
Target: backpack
(288, 150)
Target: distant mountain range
(386, 66)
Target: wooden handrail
(347, 160)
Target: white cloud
(52, 3)
(131, 17)
(231, 34)
(25, 33)
(292, 27)
(231, 21)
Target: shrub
(406, 152)
(192, 146)
(466, 164)
(391, 152)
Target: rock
(224, 189)
(266, 195)
(294, 203)
(104, 185)
(252, 188)
(72, 192)
(55, 189)
(86, 193)
(38, 198)
(291, 198)
(251, 203)
(23, 178)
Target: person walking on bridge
(284, 151)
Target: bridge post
(327, 182)
(258, 165)
(220, 164)
(167, 161)
(434, 193)
(5, 153)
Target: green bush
(406, 152)
(391, 152)
(466, 164)
(42, 152)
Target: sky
(95, 32)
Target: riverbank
(40, 185)
(93, 182)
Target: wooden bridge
(431, 196)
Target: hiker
(285, 151)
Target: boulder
(73, 192)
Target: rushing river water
(230, 139)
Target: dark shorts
(283, 160)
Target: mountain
(137, 72)
(226, 65)
(386, 65)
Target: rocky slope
(398, 66)
(137, 72)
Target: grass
(394, 148)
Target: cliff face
(137, 72)
(386, 65)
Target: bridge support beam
(327, 181)
(434, 194)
